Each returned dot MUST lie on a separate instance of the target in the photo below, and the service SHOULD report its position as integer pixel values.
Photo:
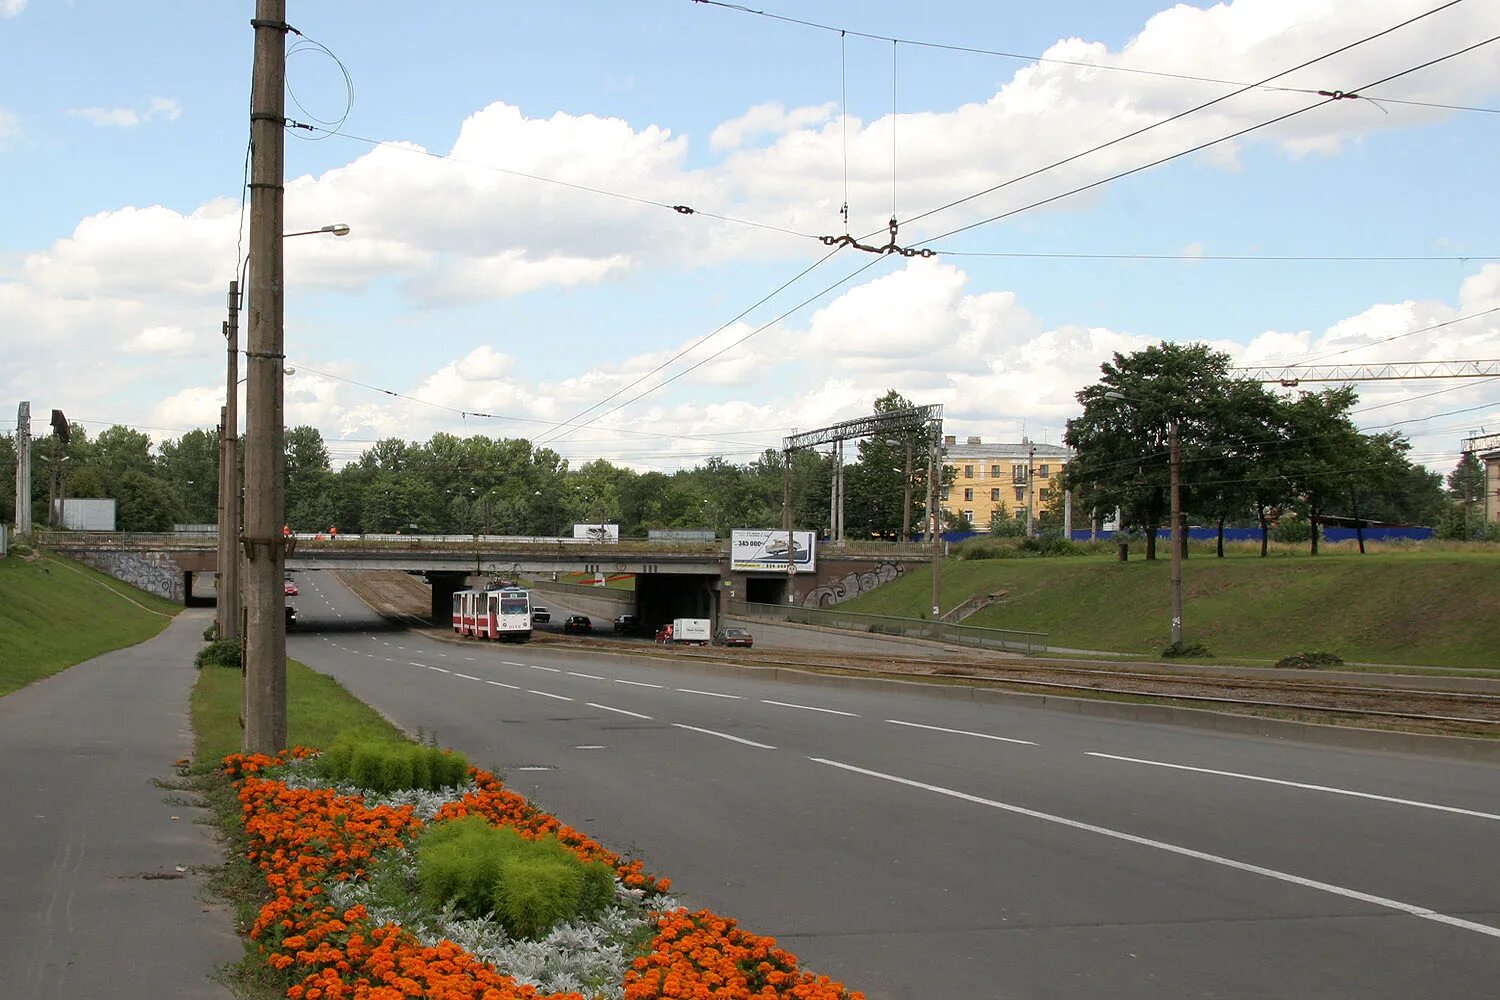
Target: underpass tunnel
(444, 586)
(662, 597)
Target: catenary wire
(572, 185)
(1199, 147)
(1304, 360)
(1078, 63)
(561, 427)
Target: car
(289, 588)
(627, 623)
(291, 616)
(777, 546)
(540, 614)
(578, 623)
(734, 637)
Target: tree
(1121, 445)
(190, 468)
(310, 502)
(1322, 446)
(145, 503)
(1466, 486)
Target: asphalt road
(915, 844)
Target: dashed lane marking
(711, 694)
(622, 711)
(961, 732)
(725, 736)
(808, 708)
(642, 684)
(548, 694)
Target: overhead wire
(1304, 360)
(735, 343)
(572, 185)
(1191, 257)
(559, 429)
(1076, 63)
(1200, 146)
(330, 126)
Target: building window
(1020, 513)
(995, 494)
(1018, 473)
(1046, 493)
(968, 472)
(1041, 470)
(968, 494)
(1020, 493)
(945, 492)
(969, 516)
(994, 472)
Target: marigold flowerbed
(313, 844)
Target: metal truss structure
(1290, 375)
(913, 418)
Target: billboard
(597, 532)
(764, 550)
(87, 514)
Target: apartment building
(1015, 476)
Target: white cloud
(11, 8)
(768, 118)
(10, 126)
(161, 340)
(158, 107)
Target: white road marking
(498, 684)
(469, 658)
(639, 684)
(545, 694)
(550, 670)
(591, 746)
(467, 677)
(441, 670)
(711, 694)
(533, 769)
(725, 736)
(808, 708)
(1187, 852)
(608, 708)
(592, 677)
(414, 663)
(961, 732)
(442, 654)
(1299, 784)
(512, 663)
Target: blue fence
(1330, 534)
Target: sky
(515, 266)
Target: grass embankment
(1414, 607)
(55, 612)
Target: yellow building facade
(1017, 477)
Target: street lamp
(264, 691)
(229, 600)
(1179, 538)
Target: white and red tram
(493, 614)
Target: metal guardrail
(1012, 640)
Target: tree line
(1248, 456)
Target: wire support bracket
(261, 22)
(889, 248)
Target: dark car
(734, 637)
(627, 623)
(291, 616)
(578, 623)
(540, 614)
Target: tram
(503, 614)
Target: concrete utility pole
(265, 486)
(23, 471)
(906, 498)
(1178, 534)
(786, 522)
(1030, 489)
(229, 477)
(935, 519)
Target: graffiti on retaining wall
(852, 585)
(154, 573)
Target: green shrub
(383, 765)
(220, 653)
(530, 886)
(1310, 661)
(1293, 528)
(1193, 649)
(212, 632)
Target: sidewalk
(100, 874)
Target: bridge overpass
(674, 579)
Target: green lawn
(55, 612)
(318, 709)
(1436, 607)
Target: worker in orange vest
(286, 531)
(333, 532)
